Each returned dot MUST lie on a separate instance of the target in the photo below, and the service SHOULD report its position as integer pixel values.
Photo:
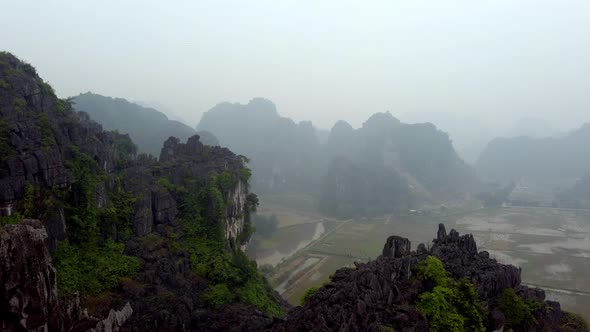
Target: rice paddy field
(551, 245)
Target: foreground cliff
(450, 287)
(120, 236)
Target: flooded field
(552, 246)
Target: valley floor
(552, 246)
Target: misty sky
(491, 61)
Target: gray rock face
(163, 207)
(197, 161)
(114, 321)
(56, 227)
(28, 285)
(442, 232)
(365, 298)
(236, 211)
(28, 289)
(396, 247)
(38, 133)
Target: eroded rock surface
(29, 299)
(382, 293)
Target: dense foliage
(432, 270)
(450, 305)
(92, 259)
(517, 311)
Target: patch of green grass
(92, 269)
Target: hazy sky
(317, 60)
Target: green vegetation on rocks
(308, 293)
(92, 261)
(451, 306)
(516, 310)
(202, 208)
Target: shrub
(12, 219)
(251, 202)
(308, 293)
(469, 306)
(218, 295)
(438, 307)
(257, 292)
(450, 306)
(515, 309)
(91, 269)
(432, 270)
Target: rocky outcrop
(38, 136)
(46, 150)
(194, 160)
(28, 293)
(396, 247)
(461, 258)
(236, 211)
(114, 321)
(383, 292)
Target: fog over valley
(265, 165)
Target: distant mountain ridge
(551, 163)
(387, 164)
(283, 154)
(147, 127)
(384, 165)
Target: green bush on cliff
(451, 305)
(517, 311)
(431, 269)
(308, 293)
(92, 269)
(256, 291)
(438, 307)
(218, 295)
